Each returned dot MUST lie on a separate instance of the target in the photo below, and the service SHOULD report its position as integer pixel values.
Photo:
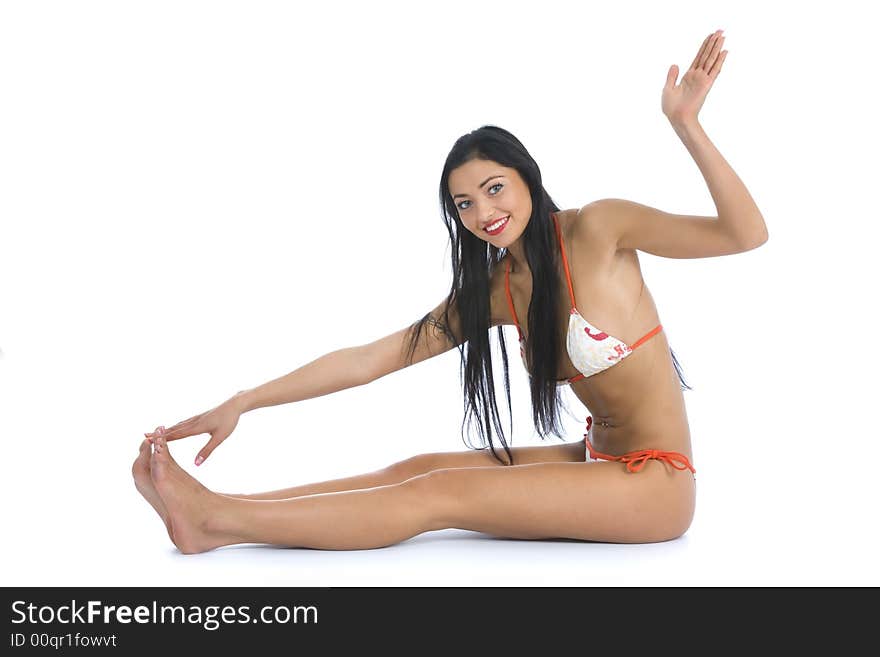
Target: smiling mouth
(498, 226)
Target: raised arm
(739, 225)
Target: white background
(198, 197)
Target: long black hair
(473, 263)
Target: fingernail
(199, 459)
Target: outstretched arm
(332, 372)
(353, 366)
(396, 351)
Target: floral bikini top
(590, 349)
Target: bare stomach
(654, 419)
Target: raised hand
(682, 102)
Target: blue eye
(490, 189)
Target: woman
(593, 325)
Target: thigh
(593, 501)
(423, 463)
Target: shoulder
(591, 226)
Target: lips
(499, 228)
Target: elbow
(763, 235)
(754, 242)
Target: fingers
(187, 421)
(182, 429)
(152, 435)
(709, 52)
(179, 430)
(672, 76)
(205, 452)
(710, 45)
(702, 50)
(716, 67)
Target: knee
(669, 532)
(435, 493)
(413, 466)
(676, 523)
(684, 520)
(685, 515)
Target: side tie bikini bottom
(636, 460)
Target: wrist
(685, 126)
(242, 400)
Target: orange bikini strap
(564, 260)
(647, 336)
(636, 460)
(510, 299)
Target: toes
(158, 471)
(142, 462)
(161, 462)
(159, 451)
(161, 446)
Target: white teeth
(496, 225)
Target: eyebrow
(481, 185)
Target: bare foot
(190, 506)
(140, 470)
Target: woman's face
(485, 192)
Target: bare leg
(382, 477)
(361, 519)
(392, 474)
(412, 467)
(141, 472)
(541, 500)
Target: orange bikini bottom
(636, 460)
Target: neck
(517, 255)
